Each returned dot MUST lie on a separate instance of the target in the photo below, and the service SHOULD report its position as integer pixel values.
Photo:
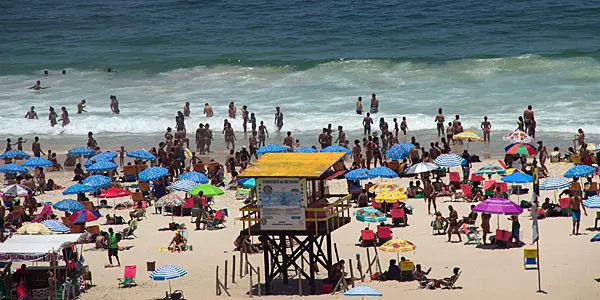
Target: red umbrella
(84, 215)
(114, 193)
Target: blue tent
(248, 183)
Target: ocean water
(312, 58)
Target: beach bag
(525, 204)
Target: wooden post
(241, 264)
(233, 269)
(369, 263)
(251, 283)
(337, 257)
(359, 267)
(247, 262)
(225, 274)
(218, 288)
(351, 273)
(258, 284)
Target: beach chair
(406, 270)
(199, 168)
(394, 165)
(476, 180)
(466, 189)
(398, 216)
(144, 188)
(565, 206)
(129, 173)
(472, 234)
(375, 204)
(592, 190)
(93, 229)
(451, 285)
(213, 222)
(133, 225)
(128, 279)
(454, 178)
(384, 234)
(502, 238)
(530, 258)
(88, 205)
(503, 186)
(137, 196)
(502, 164)
(488, 187)
(367, 237)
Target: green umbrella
(207, 190)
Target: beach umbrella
(580, 171)
(517, 136)
(521, 149)
(56, 226)
(336, 148)
(12, 168)
(84, 215)
(490, 170)
(97, 181)
(81, 151)
(15, 190)
(422, 168)
(358, 174)
(77, 188)
(272, 148)
(449, 160)
(248, 183)
(554, 184)
(153, 173)
(398, 245)
(398, 151)
(194, 176)
(511, 171)
(34, 228)
(468, 136)
(498, 206)
(167, 273)
(390, 196)
(172, 199)
(114, 193)
(363, 291)
(16, 154)
(592, 202)
(37, 162)
(102, 166)
(382, 172)
(384, 187)
(102, 156)
(183, 185)
(68, 205)
(207, 190)
(141, 154)
(305, 150)
(369, 215)
(517, 178)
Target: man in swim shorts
(576, 205)
(440, 119)
(486, 126)
(527, 116)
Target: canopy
(12, 168)
(397, 245)
(305, 150)
(33, 247)
(369, 214)
(521, 148)
(102, 166)
(390, 196)
(15, 190)
(517, 178)
(490, 169)
(167, 273)
(517, 136)
(207, 190)
(97, 181)
(248, 183)
(399, 151)
(422, 168)
(592, 202)
(183, 185)
(17, 154)
(114, 193)
(68, 205)
(81, 151)
(580, 171)
(77, 188)
(498, 206)
(468, 136)
(272, 148)
(299, 165)
(33, 228)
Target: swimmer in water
(186, 109)
(263, 133)
(52, 116)
(46, 73)
(38, 86)
(278, 118)
(31, 114)
(232, 110)
(81, 107)
(64, 117)
(208, 110)
(114, 104)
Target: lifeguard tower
(294, 214)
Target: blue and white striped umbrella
(168, 272)
(336, 148)
(83, 151)
(68, 205)
(358, 174)
(384, 172)
(580, 171)
(102, 166)
(592, 202)
(77, 188)
(141, 154)
(153, 173)
(305, 150)
(397, 152)
(56, 226)
(97, 181)
(12, 168)
(184, 185)
(36, 162)
(272, 148)
(449, 160)
(554, 184)
(16, 154)
(194, 176)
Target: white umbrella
(422, 168)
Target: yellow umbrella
(390, 196)
(34, 228)
(511, 170)
(384, 187)
(398, 245)
(468, 136)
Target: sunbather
(420, 275)
(432, 284)
(243, 244)
(178, 242)
(137, 212)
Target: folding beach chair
(133, 225)
(488, 187)
(128, 279)
(384, 234)
(406, 270)
(367, 237)
(476, 180)
(451, 285)
(454, 179)
(472, 234)
(530, 258)
(466, 189)
(398, 216)
(213, 222)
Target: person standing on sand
(527, 116)
(207, 110)
(245, 118)
(440, 120)
(359, 107)
(367, 121)
(575, 203)
(186, 109)
(64, 117)
(113, 246)
(486, 126)
(31, 114)
(252, 142)
(374, 104)
(262, 133)
(356, 153)
(81, 107)
(122, 153)
(278, 118)
(229, 137)
(36, 148)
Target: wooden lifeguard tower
(294, 214)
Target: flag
(535, 203)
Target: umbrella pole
(169, 287)
(498, 226)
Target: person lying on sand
(432, 284)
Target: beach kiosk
(295, 214)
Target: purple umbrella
(498, 206)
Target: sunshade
(295, 165)
(56, 226)
(114, 193)
(83, 151)
(193, 176)
(363, 291)
(398, 245)
(37, 162)
(16, 154)
(102, 166)
(168, 273)
(498, 206)
(449, 160)
(336, 148)
(517, 136)
(141, 154)
(77, 188)
(248, 183)
(521, 149)
(152, 173)
(84, 215)
(554, 184)
(398, 151)
(97, 181)
(385, 187)
(510, 171)
(580, 171)
(358, 174)
(390, 196)
(490, 169)
(15, 190)
(422, 168)
(12, 168)
(517, 178)
(207, 190)
(305, 150)
(592, 202)
(172, 199)
(34, 228)
(369, 214)
(383, 172)
(272, 148)
(183, 185)
(68, 205)
(468, 136)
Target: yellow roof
(301, 165)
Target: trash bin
(150, 266)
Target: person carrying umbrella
(113, 246)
